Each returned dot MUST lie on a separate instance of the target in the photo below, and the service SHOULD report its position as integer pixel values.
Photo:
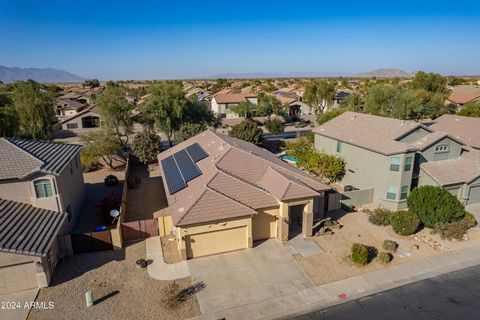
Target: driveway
(239, 278)
(18, 310)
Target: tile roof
(20, 158)
(375, 133)
(464, 169)
(466, 129)
(93, 109)
(233, 170)
(26, 229)
(463, 97)
(233, 97)
(285, 187)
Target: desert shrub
(452, 230)
(88, 159)
(359, 253)
(133, 182)
(470, 219)
(380, 217)
(404, 223)
(390, 245)
(170, 295)
(435, 205)
(275, 126)
(384, 257)
(248, 131)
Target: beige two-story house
(222, 103)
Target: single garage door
(208, 243)
(474, 195)
(264, 226)
(18, 277)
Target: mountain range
(46, 75)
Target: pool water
(286, 157)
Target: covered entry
(18, 277)
(207, 243)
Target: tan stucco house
(224, 194)
(222, 103)
(83, 121)
(384, 156)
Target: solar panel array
(181, 167)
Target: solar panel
(187, 167)
(172, 174)
(196, 152)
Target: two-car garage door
(208, 243)
(17, 277)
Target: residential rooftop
(233, 97)
(466, 129)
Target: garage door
(18, 277)
(264, 226)
(208, 243)
(474, 195)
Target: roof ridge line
(191, 206)
(26, 152)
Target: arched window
(43, 188)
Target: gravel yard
(336, 264)
(120, 289)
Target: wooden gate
(139, 230)
(91, 241)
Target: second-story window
(395, 164)
(339, 147)
(408, 164)
(43, 188)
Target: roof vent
(354, 117)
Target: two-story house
(41, 195)
(222, 103)
(384, 155)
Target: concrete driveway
(239, 278)
(20, 312)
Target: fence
(139, 230)
(357, 197)
(116, 233)
(91, 241)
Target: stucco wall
(455, 150)
(78, 121)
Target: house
(86, 120)
(464, 94)
(466, 129)
(43, 174)
(66, 108)
(29, 250)
(383, 156)
(222, 103)
(224, 194)
(296, 107)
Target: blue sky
(183, 39)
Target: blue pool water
(286, 157)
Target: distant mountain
(47, 75)
(385, 73)
(277, 75)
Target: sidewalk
(327, 295)
(159, 269)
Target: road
(454, 295)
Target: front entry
(296, 218)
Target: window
(43, 188)
(408, 164)
(72, 125)
(404, 193)
(395, 164)
(339, 147)
(392, 193)
(442, 148)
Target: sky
(113, 40)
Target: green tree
(165, 107)
(146, 146)
(327, 116)
(91, 83)
(320, 94)
(189, 130)
(35, 110)
(102, 144)
(354, 102)
(471, 109)
(268, 86)
(245, 109)
(434, 205)
(406, 105)
(116, 113)
(275, 126)
(455, 81)
(432, 82)
(219, 84)
(8, 116)
(198, 112)
(269, 105)
(248, 131)
(380, 99)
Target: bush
(275, 126)
(359, 253)
(384, 257)
(88, 159)
(435, 205)
(404, 223)
(248, 131)
(170, 295)
(453, 230)
(470, 219)
(380, 217)
(146, 146)
(390, 245)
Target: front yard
(120, 289)
(336, 264)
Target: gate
(139, 230)
(91, 241)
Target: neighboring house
(86, 120)
(383, 156)
(462, 98)
(199, 93)
(296, 107)
(466, 129)
(29, 250)
(340, 95)
(224, 193)
(221, 104)
(66, 108)
(45, 175)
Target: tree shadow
(107, 296)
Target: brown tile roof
(463, 97)
(93, 109)
(429, 139)
(464, 169)
(378, 134)
(284, 187)
(233, 97)
(233, 170)
(284, 99)
(466, 129)
(223, 91)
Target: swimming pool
(286, 157)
